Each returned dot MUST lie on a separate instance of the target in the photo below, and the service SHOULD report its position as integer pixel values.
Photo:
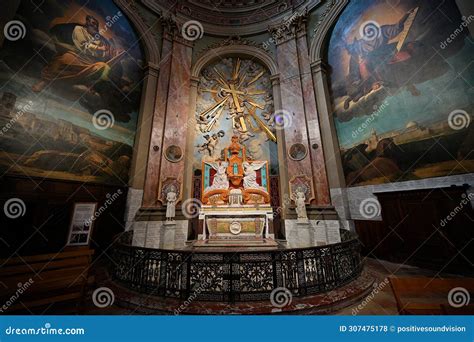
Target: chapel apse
(218, 119)
(70, 92)
(402, 93)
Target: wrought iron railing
(237, 276)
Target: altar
(236, 206)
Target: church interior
(183, 157)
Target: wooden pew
(47, 283)
(424, 295)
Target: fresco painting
(401, 82)
(70, 92)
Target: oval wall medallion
(174, 153)
(235, 228)
(297, 152)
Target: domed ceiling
(226, 17)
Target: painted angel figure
(250, 175)
(220, 181)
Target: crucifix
(238, 96)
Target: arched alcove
(245, 53)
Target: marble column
(171, 110)
(150, 194)
(190, 132)
(142, 138)
(297, 100)
(313, 126)
(330, 144)
(177, 112)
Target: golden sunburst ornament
(238, 93)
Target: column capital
(152, 69)
(195, 81)
(275, 79)
(290, 28)
(319, 66)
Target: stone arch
(149, 44)
(318, 47)
(145, 115)
(229, 50)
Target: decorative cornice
(290, 27)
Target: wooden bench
(426, 296)
(45, 283)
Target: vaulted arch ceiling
(230, 17)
